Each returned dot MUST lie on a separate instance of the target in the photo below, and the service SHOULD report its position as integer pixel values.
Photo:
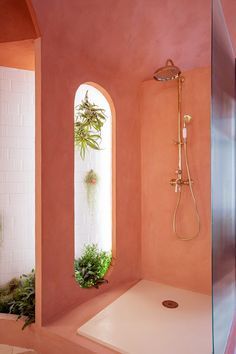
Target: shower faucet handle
(177, 182)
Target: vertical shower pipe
(179, 172)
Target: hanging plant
(89, 120)
(91, 181)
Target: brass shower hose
(179, 183)
(191, 237)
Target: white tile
(10, 165)
(20, 86)
(5, 84)
(4, 153)
(16, 172)
(137, 322)
(11, 119)
(17, 131)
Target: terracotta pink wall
(164, 257)
(59, 290)
(18, 54)
(64, 66)
(115, 45)
(118, 51)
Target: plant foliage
(89, 120)
(91, 181)
(7, 294)
(18, 297)
(91, 267)
(91, 178)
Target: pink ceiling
(16, 23)
(132, 37)
(16, 35)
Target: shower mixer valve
(180, 182)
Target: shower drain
(170, 304)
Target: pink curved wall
(63, 69)
(117, 44)
(165, 258)
(59, 289)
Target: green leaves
(23, 303)
(89, 120)
(18, 297)
(91, 267)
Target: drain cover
(170, 304)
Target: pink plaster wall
(164, 257)
(64, 66)
(59, 290)
(116, 44)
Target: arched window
(92, 172)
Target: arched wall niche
(95, 204)
(62, 70)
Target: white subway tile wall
(17, 172)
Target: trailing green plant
(89, 120)
(91, 181)
(91, 267)
(18, 297)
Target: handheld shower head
(187, 118)
(167, 72)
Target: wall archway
(94, 203)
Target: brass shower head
(167, 72)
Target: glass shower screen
(222, 179)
